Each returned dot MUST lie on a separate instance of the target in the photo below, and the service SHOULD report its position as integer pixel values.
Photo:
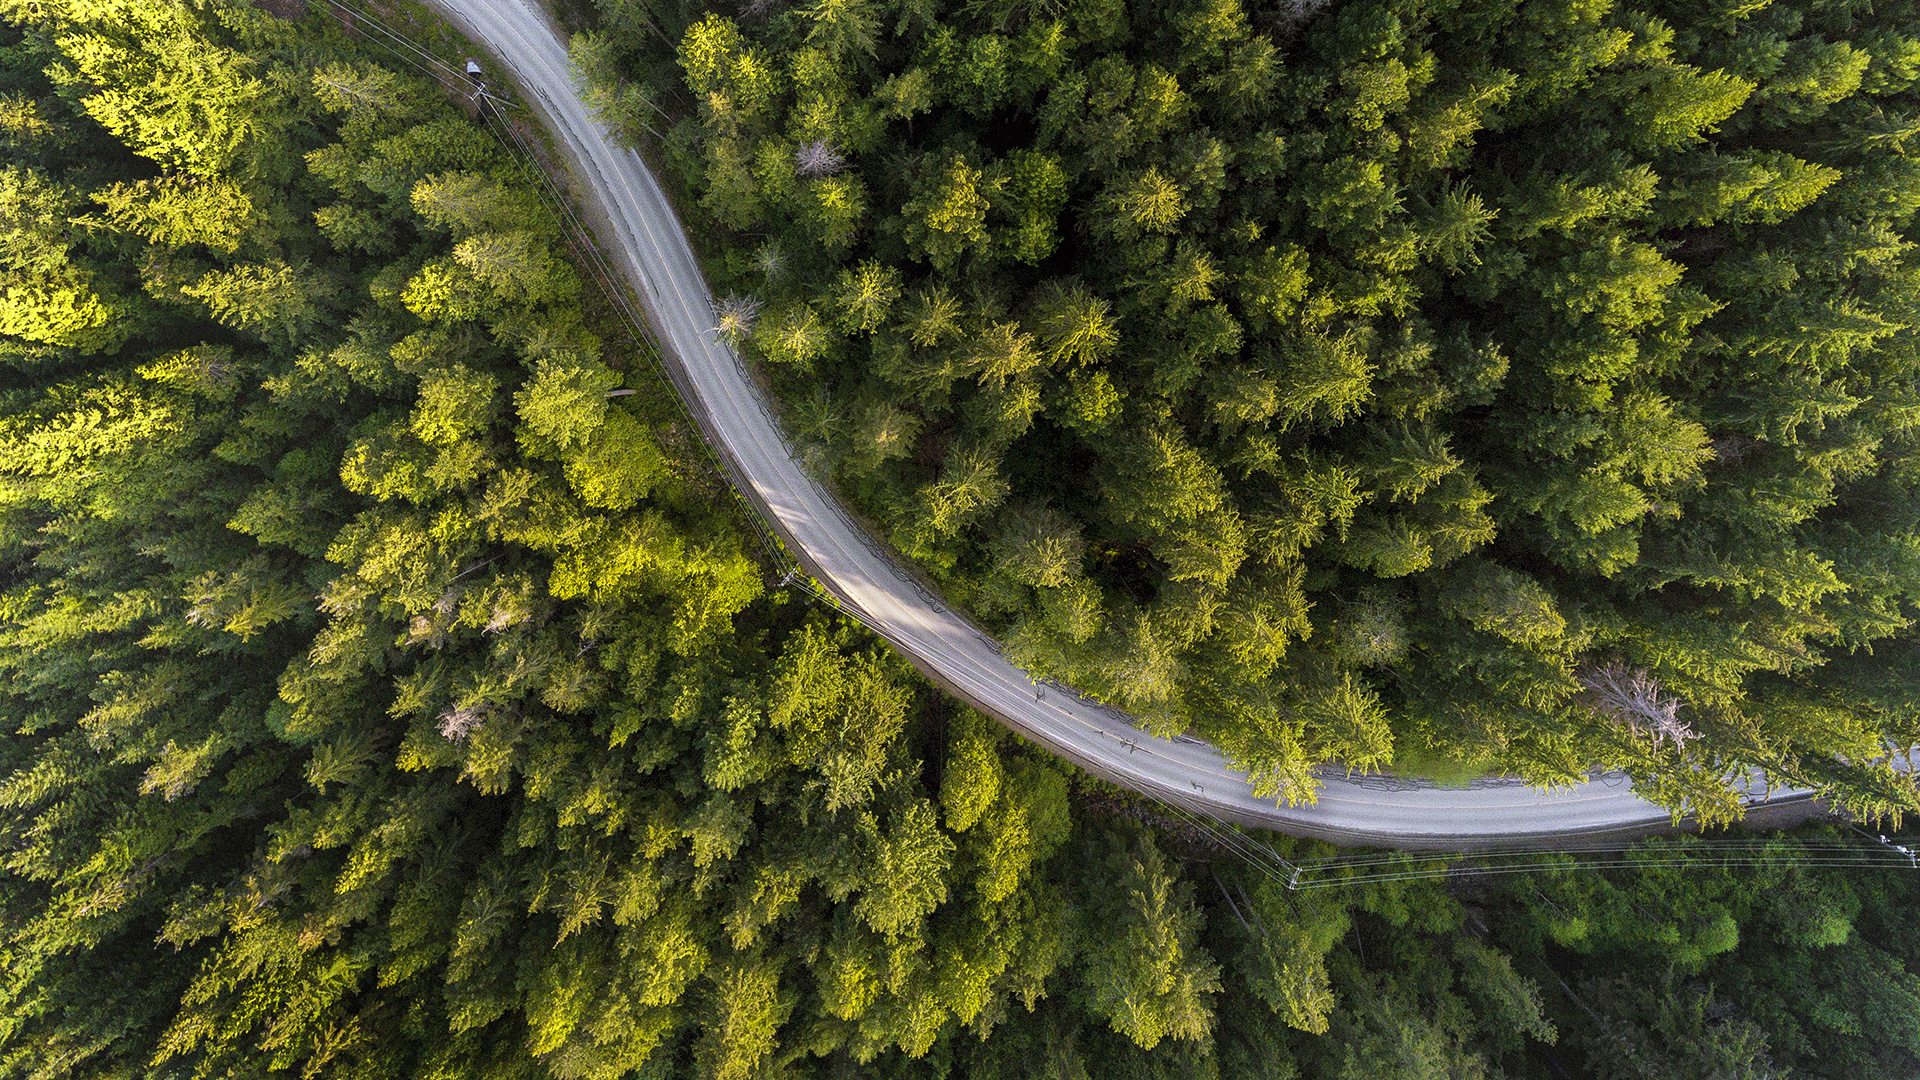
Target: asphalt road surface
(640, 233)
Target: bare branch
(734, 317)
(818, 158)
(459, 722)
(1635, 698)
(1299, 12)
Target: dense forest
(1440, 385)
(383, 699)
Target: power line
(1373, 868)
(1260, 857)
(1393, 867)
(420, 57)
(1708, 854)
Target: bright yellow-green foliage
(382, 698)
(1152, 201)
(178, 212)
(149, 73)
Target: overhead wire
(1761, 846)
(1393, 867)
(1693, 864)
(419, 54)
(1588, 849)
(1717, 854)
(1231, 839)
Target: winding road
(637, 228)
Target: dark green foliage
(1677, 964)
(385, 700)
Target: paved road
(639, 231)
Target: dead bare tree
(818, 158)
(734, 316)
(461, 721)
(1298, 12)
(1288, 16)
(1635, 698)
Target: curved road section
(640, 232)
